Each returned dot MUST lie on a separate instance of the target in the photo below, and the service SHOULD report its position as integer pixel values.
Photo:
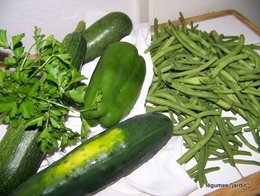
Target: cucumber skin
(138, 140)
(76, 46)
(108, 29)
(20, 157)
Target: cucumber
(76, 45)
(108, 29)
(20, 157)
(103, 159)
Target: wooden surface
(246, 186)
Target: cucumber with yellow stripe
(103, 159)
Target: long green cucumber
(20, 157)
(108, 29)
(103, 159)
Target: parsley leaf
(38, 90)
(3, 39)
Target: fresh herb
(38, 89)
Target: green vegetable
(108, 29)
(115, 85)
(197, 76)
(38, 91)
(102, 159)
(76, 45)
(20, 157)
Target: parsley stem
(57, 104)
(26, 57)
(39, 68)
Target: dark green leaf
(77, 94)
(35, 122)
(24, 110)
(84, 127)
(17, 39)
(14, 111)
(36, 91)
(6, 106)
(47, 142)
(69, 138)
(33, 92)
(55, 123)
(27, 108)
(19, 51)
(3, 74)
(9, 60)
(3, 39)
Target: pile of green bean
(197, 76)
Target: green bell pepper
(115, 85)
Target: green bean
(247, 162)
(232, 138)
(229, 37)
(195, 70)
(251, 91)
(221, 91)
(156, 28)
(192, 170)
(207, 170)
(176, 67)
(244, 140)
(190, 129)
(157, 42)
(191, 43)
(228, 76)
(249, 77)
(188, 45)
(200, 115)
(203, 156)
(222, 48)
(167, 96)
(190, 153)
(154, 86)
(190, 144)
(249, 71)
(232, 73)
(165, 51)
(172, 117)
(215, 36)
(205, 74)
(240, 97)
(225, 61)
(157, 109)
(203, 94)
(225, 156)
(201, 40)
(171, 105)
(246, 64)
(255, 83)
(196, 80)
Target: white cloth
(161, 175)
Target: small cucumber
(108, 29)
(76, 45)
(103, 159)
(20, 157)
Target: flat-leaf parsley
(37, 91)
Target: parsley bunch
(37, 89)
